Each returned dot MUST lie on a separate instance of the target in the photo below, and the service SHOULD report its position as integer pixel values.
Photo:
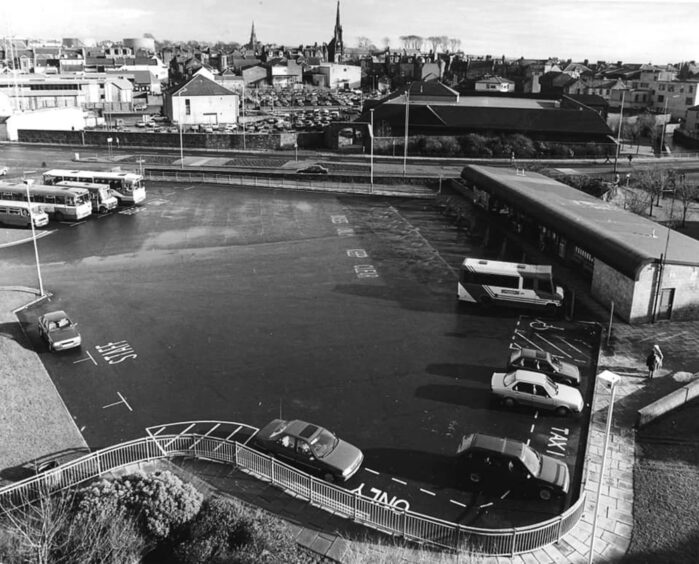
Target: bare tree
(454, 44)
(686, 193)
(653, 182)
(364, 42)
(435, 41)
(386, 42)
(411, 41)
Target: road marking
(554, 346)
(555, 453)
(82, 428)
(345, 232)
(365, 271)
(503, 496)
(103, 215)
(428, 492)
(457, 503)
(536, 414)
(528, 441)
(357, 253)
(399, 481)
(84, 359)
(485, 505)
(531, 430)
(528, 341)
(124, 400)
(372, 471)
(189, 188)
(76, 223)
(572, 346)
(338, 219)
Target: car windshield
(532, 460)
(508, 379)
(555, 362)
(323, 443)
(552, 384)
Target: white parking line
(485, 505)
(528, 441)
(503, 496)
(556, 453)
(189, 188)
(82, 428)
(572, 346)
(554, 346)
(399, 481)
(531, 430)
(457, 503)
(532, 343)
(428, 492)
(124, 400)
(75, 224)
(372, 471)
(84, 359)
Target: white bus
(62, 203)
(491, 282)
(21, 214)
(101, 196)
(127, 186)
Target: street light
(405, 148)
(663, 257)
(618, 137)
(610, 379)
(662, 137)
(371, 141)
(179, 103)
(31, 222)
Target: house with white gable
(201, 100)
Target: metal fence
(328, 497)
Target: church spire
(337, 19)
(253, 37)
(336, 48)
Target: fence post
(560, 528)
(514, 540)
(271, 473)
(356, 502)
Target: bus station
(648, 271)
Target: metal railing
(328, 497)
(217, 177)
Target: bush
(160, 502)
(227, 531)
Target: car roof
(54, 315)
(531, 377)
(301, 429)
(501, 445)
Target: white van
(17, 212)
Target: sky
(638, 31)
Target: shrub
(229, 531)
(161, 502)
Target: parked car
(523, 387)
(3, 170)
(60, 333)
(310, 448)
(313, 169)
(540, 361)
(512, 464)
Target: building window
(661, 98)
(688, 101)
(187, 107)
(690, 88)
(671, 88)
(661, 87)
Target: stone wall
(213, 141)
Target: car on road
(524, 387)
(313, 169)
(540, 361)
(60, 333)
(513, 465)
(3, 170)
(309, 447)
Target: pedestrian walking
(654, 361)
(630, 157)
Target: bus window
(545, 286)
(528, 283)
(499, 280)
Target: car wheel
(570, 382)
(328, 477)
(545, 494)
(475, 477)
(552, 310)
(562, 411)
(102, 210)
(509, 403)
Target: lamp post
(179, 103)
(31, 222)
(405, 142)
(663, 257)
(662, 137)
(371, 141)
(611, 380)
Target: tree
(386, 42)
(438, 42)
(686, 193)
(411, 41)
(454, 44)
(364, 43)
(653, 182)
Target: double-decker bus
(62, 203)
(491, 282)
(101, 196)
(127, 186)
(22, 214)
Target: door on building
(667, 297)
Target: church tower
(336, 47)
(253, 38)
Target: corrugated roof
(623, 240)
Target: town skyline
(576, 29)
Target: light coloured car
(310, 448)
(59, 332)
(523, 387)
(3, 170)
(540, 361)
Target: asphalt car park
(219, 303)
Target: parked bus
(101, 196)
(62, 203)
(22, 214)
(491, 282)
(127, 186)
